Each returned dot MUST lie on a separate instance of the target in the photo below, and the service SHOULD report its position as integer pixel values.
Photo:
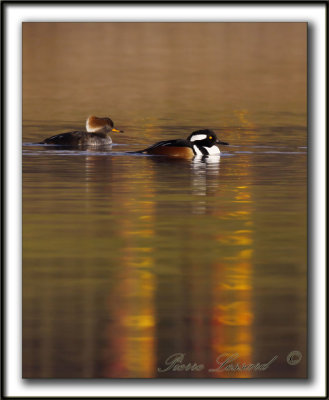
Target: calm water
(129, 259)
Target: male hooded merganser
(202, 143)
(96, 134)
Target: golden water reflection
(177, 270)
(131, 338)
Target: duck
(96, 134)
(199, 143)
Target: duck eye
(210, 137)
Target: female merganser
(96, 134)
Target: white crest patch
(198, 137)
(90, 128)
(197, 151)
(213, 150)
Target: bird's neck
(104, 132)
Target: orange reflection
(243, 116)
(232, 315)
(131, 333)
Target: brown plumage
(172, 148)
(172, 151)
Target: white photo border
(13, 14)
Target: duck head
(100, 125)
(204, 142)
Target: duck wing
(67, 138)
(168, 143)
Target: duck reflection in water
(201, 171)
(203, 167)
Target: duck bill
(220, 142)
(117, 130)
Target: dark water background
(128, 259)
